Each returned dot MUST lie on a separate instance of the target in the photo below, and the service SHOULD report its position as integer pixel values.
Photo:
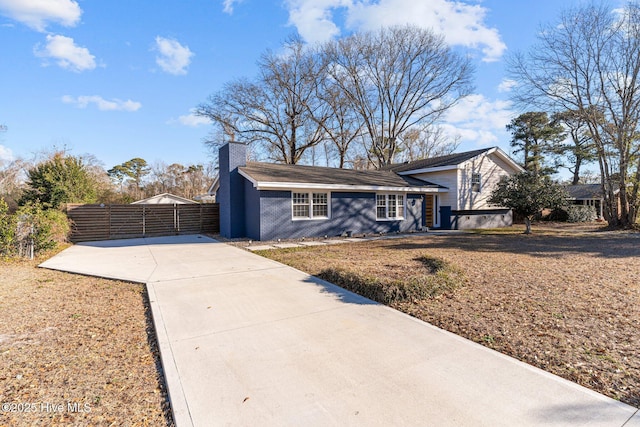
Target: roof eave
(214, 186)
(425, 170)
(264, 185)
(500, 153)
(505, 157)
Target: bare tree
(277, 108)
(340, 121)
(397, 78)
(427, 141)
(589, 62)
(185, 181)
(12, 180)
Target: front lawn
(77, 350)
(566, 300)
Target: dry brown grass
(565, 299)
(76, 350)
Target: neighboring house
(265, 201)
(587, 195)
(205, 198)
(163, 199)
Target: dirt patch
(77, 350)
(564, 299)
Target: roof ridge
(464, 153)
(438, 161)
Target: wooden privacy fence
(104, 222)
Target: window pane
(381, 206)
(320, 198)
(300, 205)
(301, 211)
(300, 198)
(476, 182)
(320, 205)
(400, 206)
(391, 212)
(320, 210)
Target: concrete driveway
(247, 341)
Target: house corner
(231, 156)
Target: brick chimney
(231, 192)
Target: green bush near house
(31, 225)
(578, 213)
(7, 231)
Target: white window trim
(310, 196)
(386, 198)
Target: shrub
(560, 215)
(440, 278)
(31, 225)
(581, 213)
(7, 230)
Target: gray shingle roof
(299, 174)
(435, 162)
(584, 191)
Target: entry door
(429, 210)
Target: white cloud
(228, 5)
(478, 120)
(461, 24)
(172, 56)
(38, 13)
(6, 155)
(102, 104)
(314, 18)
(506, 85)
(191, 120)
(67, 54)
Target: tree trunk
(527, 223)
(576, 171)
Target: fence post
(109, 220)
(176, 218)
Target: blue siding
(349, 212)
(231, 191)
(252, 213)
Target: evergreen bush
(581, 213)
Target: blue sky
(118, 79)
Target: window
(320, 205)
(300, 205)
(476, 181)
(389, 206)
(310, 205)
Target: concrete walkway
(246, 341)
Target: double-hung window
(389, 206)
(310, 205)
(476, 182)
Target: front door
(429, 210)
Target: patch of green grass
(488, 339)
